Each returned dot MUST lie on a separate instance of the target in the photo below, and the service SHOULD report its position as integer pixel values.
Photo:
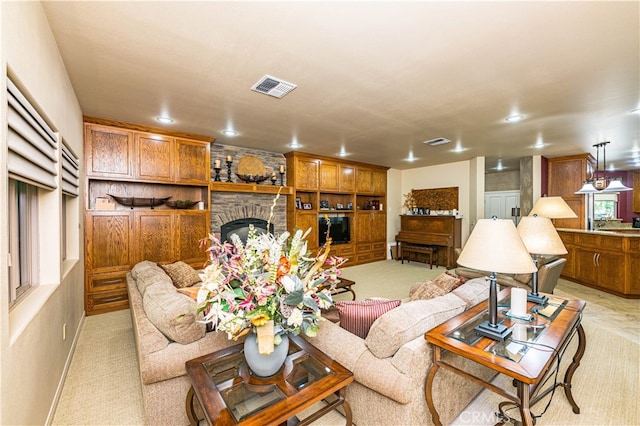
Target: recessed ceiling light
(164, 120)
(411, 158)
(343, 153)
(514, 118)
(230, 133)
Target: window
(23, 239)
(605, 206)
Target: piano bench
(417, 248)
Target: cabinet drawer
(567, 237)
(364, 247)
(106, 282)
(364, 258)
(379, 255)
(346, 250)
(590, 241)
(106, 301)
(379, 246)
(611, 243)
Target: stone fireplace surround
(229, 206)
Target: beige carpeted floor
(102, 386)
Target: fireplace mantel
(249, 188)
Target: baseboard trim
(63, 376)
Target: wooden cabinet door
(585, 264)
(108, 152)
(636, 192)
(155, 238)
(379, 182)
(155, 158)
(364, 181)
(192, 227)
(108, 242)
(378, 226)
(329, 176)
(193, 162)
(347, 178)
(611, 269)
(306, 177)
(363, 227)
(305, 221)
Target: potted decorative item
(410, 202)
(266, 288)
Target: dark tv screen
(339, 232)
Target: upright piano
(442, 232)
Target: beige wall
(33, 354)
(440, 176)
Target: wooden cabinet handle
(111, 299)
(113, 281)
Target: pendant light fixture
(600, 184)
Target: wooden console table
(527, 356)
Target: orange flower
(284, 266)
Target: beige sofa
(391, 364)
(155, 306)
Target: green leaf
(294, 298)
(309, 302)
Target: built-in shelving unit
(250, 188)
(328, 186)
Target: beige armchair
(548, 274)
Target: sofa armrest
(339, 344)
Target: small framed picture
(349, 205)
(340, 206)
(298, 203)
(306, 206)
(324, 204)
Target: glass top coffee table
(229, 394)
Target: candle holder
(273, 179)
(216, 178)
(281, 178)
(229, 163)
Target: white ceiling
(374, 78)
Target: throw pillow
(357, 317)
(460, 277)
(427, 290)
(192, 292)
(446, 282)
(181, 274)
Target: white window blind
(70, 172)
(31, 142)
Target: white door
(500, 203)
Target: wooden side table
(526, 357)
(229, 393)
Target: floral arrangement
(410, 201)
(267, 279)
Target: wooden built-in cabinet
(636, 191)
(609, 262)
(128, 160)
(335, 187)
(566, 176)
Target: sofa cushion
(181, 274)
(427, 290)
(447, 282)
(172, 313)
(357, 316)
(473, 291)
(410, 320)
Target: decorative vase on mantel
(265, 362)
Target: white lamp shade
(495, 245)
(540, 236)
(553, 208)
(616, 186)
(587, 188)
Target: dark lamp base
(497, 332)
(538, 299)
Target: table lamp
(540, 238)
(495, 245)
(553, 208)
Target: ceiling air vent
(273, 86)
(437, 141)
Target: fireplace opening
(241, 228)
